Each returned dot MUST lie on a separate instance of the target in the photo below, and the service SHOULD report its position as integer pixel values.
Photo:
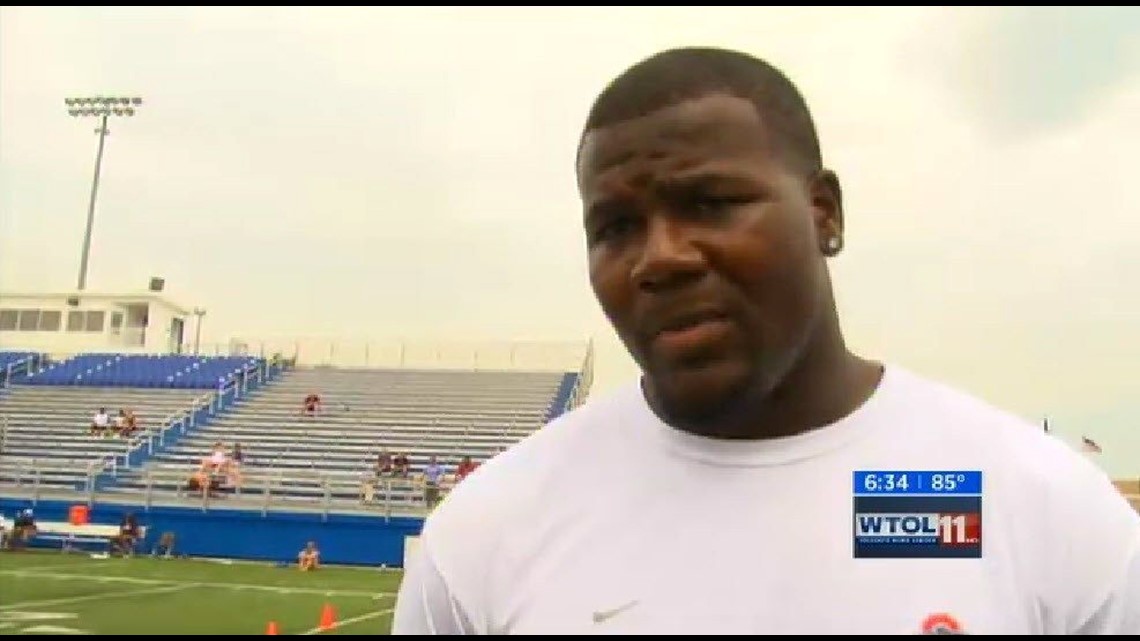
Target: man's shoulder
(554, 459)
(959, 412)
(963, 423)
(1047, 495)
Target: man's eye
(715, 205)
(615, 229)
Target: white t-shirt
(609, 521)
(101, 419)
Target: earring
(834, 244)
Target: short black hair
(676, 75)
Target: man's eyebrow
(705, 179)
(606, 207)
(614, 204)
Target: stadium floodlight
(102, 107)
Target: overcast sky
(371, 173)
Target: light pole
(101, 107)
(199, 312)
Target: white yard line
(351, 620)
(59, 566)
(32, 574)
(93, 597)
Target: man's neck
(825, 385)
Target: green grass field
(53, 593)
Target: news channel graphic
(917, 514)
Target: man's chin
(692, 395)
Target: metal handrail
(187, 418)
(328, 492)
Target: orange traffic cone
(271, 628)
(328, 617)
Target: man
(401, 466)
(433, 479)
(377, 477)
(309, 558)
(129, 534)
(717, 496)
(100, 423)
(119, 423)
(465, 468)
(23, 529)
(312, 404)
(132, 423)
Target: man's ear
(827, 211)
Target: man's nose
(669, 256)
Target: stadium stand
(46, 429)
(47, 408)
(123, 370)
(13, 364)
(421, 413)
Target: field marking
(350, 621)
(51, 629)
(58, 566)
(130, 580)
(13, 618)
(94, 597)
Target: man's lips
(689, 331)
(686, 320)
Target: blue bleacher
(13, 358)
(14, 364)
(147, 370)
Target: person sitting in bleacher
(433, 481)
(220, 466)
(234, 466)
(200, 479)
(100, 423)
(311, 405)
(208, 477)
(125, 423)
(130, 423)
(218, 458)
(382, 470)
(466, 467)
(401, 467)
(119, 424)
(384, 466)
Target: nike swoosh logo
(601, 616)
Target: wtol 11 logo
(917, 514)
(919, 529)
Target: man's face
(704, 251)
